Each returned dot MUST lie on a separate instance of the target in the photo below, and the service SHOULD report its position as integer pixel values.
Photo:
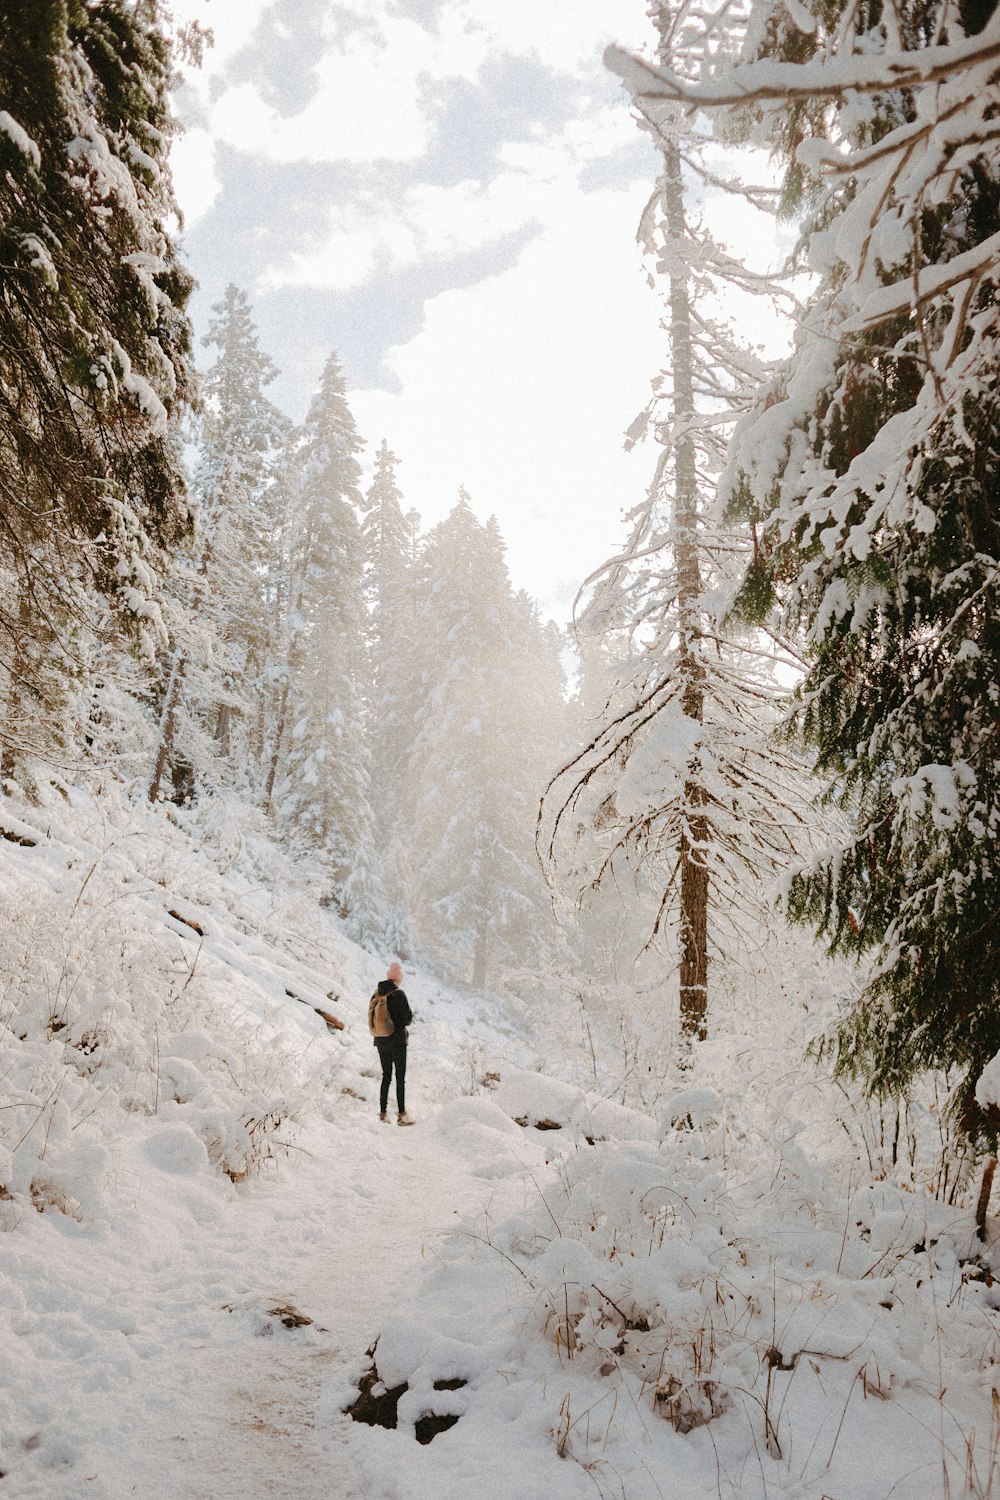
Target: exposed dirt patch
(378, 1406)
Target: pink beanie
(395, 972)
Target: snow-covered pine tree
(393, 698)
(387, 532)
(537, 707)
(244, 436)
(680, 778)
(216, 670)
(870, 471)
(95, 338)
(321, 789)
(478, 892)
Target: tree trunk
(292, 665)
(168, 726)
(279, 734)
(693, 851)
(12, 734)
(223, 725)
(480, 961)
(984, 1197)
(168, 719)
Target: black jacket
(400, 1013)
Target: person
(392, 1048)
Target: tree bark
(279, 734)
(479, 965)
(693, 851)
(223, 724)
(168, 725)
(984, 1197)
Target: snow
(699, 1293)
(988, 1085)
(41, 260)
(138, 386)
(887, 301)
(937, 789)
(20, 137)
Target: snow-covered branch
(820, 78)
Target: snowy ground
(140, 1356)
(147, 1363)
(700, 1299)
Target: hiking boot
(384, 1118)
(405, 1119)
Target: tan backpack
(379, 1019)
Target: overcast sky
(446, 193)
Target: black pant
(392, 1051)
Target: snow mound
(175, 1148)
(455, 1119)
(530, 1098)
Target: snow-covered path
(200, 1395)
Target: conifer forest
(500, 502)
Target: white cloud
(192, 163)
(427, 220)
(520, 388)
(566, 34)
(369, 102)
(367, 106)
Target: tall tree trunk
(175, 683)
(693, 851)
(984, 1197)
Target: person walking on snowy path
(389, 1015)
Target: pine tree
(95, 338)
(216, 671)
(679, 780)
(536, 707)
(389, 549)
(869, 469)
(478, 892)
(320, 746)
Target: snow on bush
(676, 1309)
(129, 992)
(703, 1295)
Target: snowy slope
(139, 1058)
(702, 1298)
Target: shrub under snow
(130, 993)
(704, 1312)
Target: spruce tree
(394, 694)
(321, 790)
(479, 898)
(215, 674)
